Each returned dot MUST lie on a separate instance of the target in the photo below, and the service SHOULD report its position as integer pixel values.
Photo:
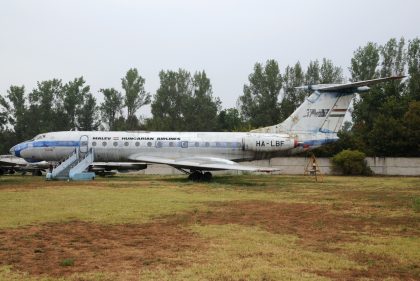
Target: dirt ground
(41, 249)
(110, 248)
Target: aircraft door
(84, 144)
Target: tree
(46, 108)
(111, 107)
(364, 66)
(364, 63)
(259, 103)
(412, 127)
(4, 114)
(330, 74)
(413, 64)
(200, 110)
(87, 118)
(135, 95)
(387, 137)
(170, 99)
(18, 111)
(74, 93)
(292, 97)
(378, 115)
(230, 120)
(312, 75)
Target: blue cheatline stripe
(22, 146)
(319, 142)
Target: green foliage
(351, 162)
(201, 108)
(74, 93)
(292, 97)
(312, 75)
(412, 128)
(364, 62)
(169, 102)
(347, 139)
(135, 96)
(18, 110)
(67, 262)
(230, 120)
(184, 103)
(259, 103)
(330, 74)
(381, 116)
(111, 107)
(88, 117)
(413, 63)
(46, 109)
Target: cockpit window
(38, 137)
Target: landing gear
(37, 173)
(199, 176)
(207, 176)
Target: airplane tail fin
(324, 110)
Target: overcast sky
(101, 40)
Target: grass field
(250, 227)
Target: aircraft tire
(207, 176)
(195, 176)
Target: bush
(350, 162)
(67, 262)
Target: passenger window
(171, 144)
(104, 143)
(94, 143)
(149, 144)
(207, 144)
(218, 144)
(115, 143)
(137, 143)
(159, 144)
(197, 144)
(126, 143)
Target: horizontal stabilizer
(348, 86)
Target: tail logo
(316, 113)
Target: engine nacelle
(269, 143)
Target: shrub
(350, 162)
(67, 262)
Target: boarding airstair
(76, 165)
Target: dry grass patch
(46, 249)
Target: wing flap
(201, 163)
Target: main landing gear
(200, 176)
(195, 175)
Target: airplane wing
(341, 87)
(120, 166)
(7, 164)
(200, 163)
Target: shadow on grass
(243, 181)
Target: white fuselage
(119, 146)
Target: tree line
(385, 121)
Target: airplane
(314, 123)
(9, 164)
(110, 168)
